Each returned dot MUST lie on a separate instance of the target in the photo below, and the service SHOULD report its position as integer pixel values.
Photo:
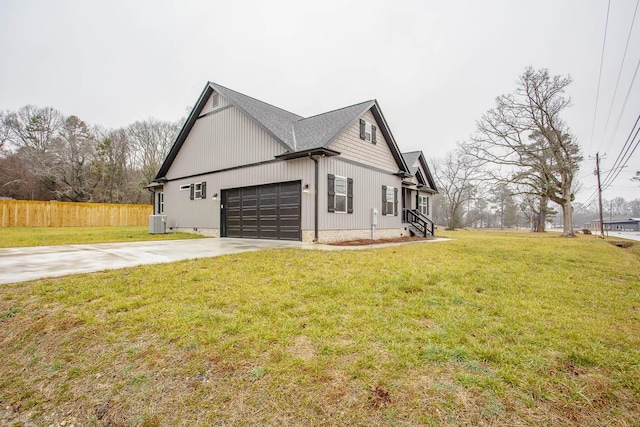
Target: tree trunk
(567, 217)
(542, 216)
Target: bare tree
(75, 153)
(456, 175)
(151, 140)
(32, 133)
(530, 144)
(110, 167)
(4, 131)
(634, 208)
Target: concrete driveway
(22, 264)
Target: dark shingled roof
(410, 159)
(318, 131)
(275, 120)
(294, 132)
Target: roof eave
(322, 151)
(395, 151)
(184, 132)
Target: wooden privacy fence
(28, 213)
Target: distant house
(243, 168)
(618, 223)
(627, 224)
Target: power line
(624, 56)
(604, 41)
(626, 160)
(623, 151)
(625, 103)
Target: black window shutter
(158, 207)
(204, 189)
(395, 201)
(384, 200)
(362, 129)
(331, 202)
(373, 134)
(191, 190)
(349, 195)
(427, 206)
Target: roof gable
(294, 132)
(415, 159)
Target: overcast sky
(434, 66)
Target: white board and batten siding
(351, 147)
(221, 140)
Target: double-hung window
(160, 208)
(340, 194)
(197, 190)
(423, 204)
(367, 131)
(389, 200)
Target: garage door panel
(291, 211)
(270, 211)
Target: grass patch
(13, 237)
(487, 329)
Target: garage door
(269, 211)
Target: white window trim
(392, 201)
(186, 187)
(161, 202)
(197, 191)
(336, 194)
(215, 100)
(368, 131)
(423, 203)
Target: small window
(160, 203)
(197, 190)
(367, 131)
(389, 201)
(341, 194)
(215, 100)
(185, 187)
(423, 205)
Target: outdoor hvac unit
(157, 224)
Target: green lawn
(488, 329)
(13, 237)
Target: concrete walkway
(22, 264)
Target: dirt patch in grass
(625, 244)
(365, 242)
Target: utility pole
(599, 195)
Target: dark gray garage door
(269, 211)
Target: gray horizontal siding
(183, 212)
(221, 140)
(349, 144)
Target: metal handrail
(420, 221)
